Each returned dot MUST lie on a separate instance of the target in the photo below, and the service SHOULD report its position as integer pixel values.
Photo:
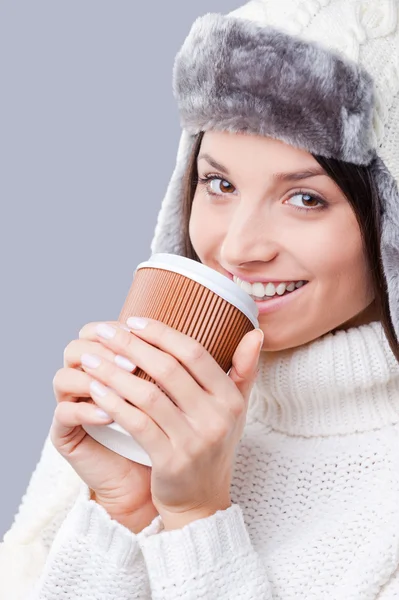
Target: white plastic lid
(213, 280)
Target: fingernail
(124, 363)
(98, 388)
(102, 414)
(90, 360)
(261, 337)
(136, 322)
(105, 331)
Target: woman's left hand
(191, 441)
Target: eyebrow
(294, 176)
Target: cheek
(342, 267)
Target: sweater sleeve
(62, 544)
(50, 494)
(390, 591)
(93, 557)
(211, 558)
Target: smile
(269, 297)
(264, 291)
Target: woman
(281, 479)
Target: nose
(250, 236)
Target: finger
(199, 363)
(74, 350)
(69, 415)
(178, 363)
(70, 384)
(72, 355)
(245, 361)
(88, 331)
(67, 434)
(202, 367)
(136, 422)
(144, 395)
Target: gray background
(89, 131)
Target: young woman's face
(264, 219)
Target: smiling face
(271, 214)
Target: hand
(118, 484)
(189, 423)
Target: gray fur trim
(168, 235)
(235, 75)
(389, 194)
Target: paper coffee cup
(193, 299)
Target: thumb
(245, 361)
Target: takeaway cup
(194, 299)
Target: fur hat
(321, 75)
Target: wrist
(135, 521)
(178, 520)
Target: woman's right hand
(118, 484)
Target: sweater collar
(343, 382)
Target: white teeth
(246, 286)
(260, 290)
(280, 289)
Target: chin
(277, 340)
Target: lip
(269, 306)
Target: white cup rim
(211, 279)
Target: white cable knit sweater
(315, 494)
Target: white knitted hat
(322, 75)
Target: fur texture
(238, 76)
(389, 194)
(168, 235)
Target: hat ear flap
(389, 195)
(168, 236)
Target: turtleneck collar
(343, 382)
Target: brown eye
(308, 200)
(304, 201)
(224, 186)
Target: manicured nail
(124, 363)
(102, 414)
(90, 360)
(261, 337)
(98, 388)
(106, 331)
(136, 322)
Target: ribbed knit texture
(315, 493)
(94, 557)
(337, 384)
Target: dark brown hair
(357, 184)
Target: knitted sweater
(315, 493)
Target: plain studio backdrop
(89, 133)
